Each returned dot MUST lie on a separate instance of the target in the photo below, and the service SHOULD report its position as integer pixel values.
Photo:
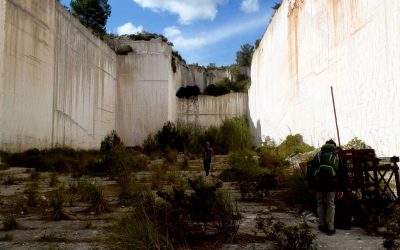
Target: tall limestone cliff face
(352, 45)
(62, 86)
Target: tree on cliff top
(92, 13)
(244, 56)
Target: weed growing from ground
(7, 237)
(57, 200)
(299, 237)
(178, 218)
(35, 175)
(53, 179)
(158, 175)
(10, 222)
(98, 202)
(31, 191)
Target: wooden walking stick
(334, 111)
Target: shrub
(98, 202)
(111, 142)
(35, 175)
(56, 159)
(171, 156)
(274, 157)
(299, 237)
(139, 231)
(158, 174)
(356, 143)
(253, 182)
(151, 146)
(293, 144)
(7, 237)
(134, 192)
(168, 136)
(297, 192)
(10, 222)
(178, 218)
(234, 135)
(31, 191)
(216, 90)
(188, 92)
(53, 179)
(124, 50)
(185, 163)
(57, 200)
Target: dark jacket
(331, 184)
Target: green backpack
(327, 162)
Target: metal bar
(334, 110)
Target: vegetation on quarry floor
(121, 198)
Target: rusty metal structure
(370, 177)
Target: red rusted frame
(359, 164)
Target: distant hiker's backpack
(326, 162)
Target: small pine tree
(92, 13)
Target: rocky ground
(87, 230)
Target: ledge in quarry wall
(312, 45)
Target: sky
(202, 31)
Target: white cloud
(182, 42)
(250, 6)
(187, 10)
(128, 29)
(171, 32)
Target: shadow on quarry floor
(87, 231)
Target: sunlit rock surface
(312, 45)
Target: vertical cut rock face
(352, 45)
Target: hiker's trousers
(326, 209)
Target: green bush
(253, 182)
(274, 157)
(10, 223)
(111, 142)
(31, 191)
(171, 156)
(53, 179)
(151, 147)
(356, 143)
(299, 237)
(63, 160)
(139, 231)
(188, 91)
(123, 50)
(235, 135)
(98, 202)
(293, 144)
(178, 218)
(57, 200)
(216, 90)
(168, 137)
(232, 135)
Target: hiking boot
(330, 232)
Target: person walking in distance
(208, 153)
(326, 177)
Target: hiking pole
(334, 111)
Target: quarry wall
(57, 80)
(62, 86)
(312, 45)
(212, 111)
(27, 73)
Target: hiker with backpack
(208, 153)
(326, 177)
